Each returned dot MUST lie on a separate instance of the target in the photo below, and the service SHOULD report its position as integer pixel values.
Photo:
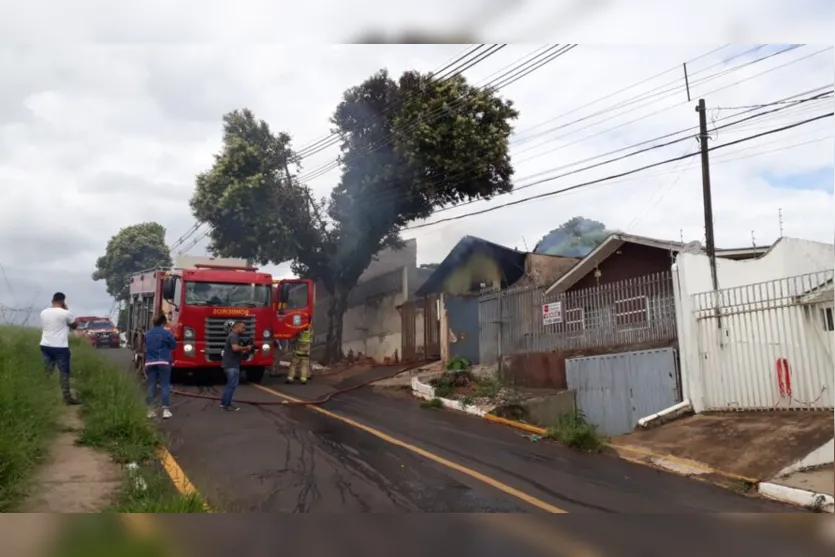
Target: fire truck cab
(293, 306)
(202, 298)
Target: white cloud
(94, 137)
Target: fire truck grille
(217, 330)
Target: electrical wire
(447, 178)
(541, 59)
(334, 138)
(469, 52)
(613, 176)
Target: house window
(632, 312)
(828, 322)
(574, 320)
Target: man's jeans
(161, 373)
(59, 357)
(233, 376)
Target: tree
(408, 147)
(573, 238)
(134, 248)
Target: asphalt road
(373, 453)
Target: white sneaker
(151, 414)
(166, 413)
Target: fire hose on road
(316, 402)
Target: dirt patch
(75, 479)
(754, 445)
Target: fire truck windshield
(227, 294)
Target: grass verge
(30, 411)
(115, 421)
(574, 430)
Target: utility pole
(753, 239)
(708, 203)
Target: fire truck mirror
(284, 293)
(168, 287)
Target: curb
(668, 463)
(795, 496)
(427, 392)
(178, 477)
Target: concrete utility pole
(708, 203)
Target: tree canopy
(574, 238)
(134, 248)
(407, 147)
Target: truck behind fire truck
(202, 298)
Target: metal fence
(623, 313)
(768, 345)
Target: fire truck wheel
(254, 374)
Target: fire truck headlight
(265, 348)
(268, 333)
(188, 349)
(297, 320)
(188, 333)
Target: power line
(641, 151)
(463, 62)
(432, 115)
(509, 68)
(613, 176)
(393, 195)
(333, 138)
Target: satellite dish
(692, 247)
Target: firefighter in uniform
(301, 356)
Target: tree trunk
(336, 311)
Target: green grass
(146, 490)
(432, 403)
(30, 410)
(115, 421)
(113, 412)
(574, 430)
(113, 408)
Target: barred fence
(629, 312)
(768, 345)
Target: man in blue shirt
(159, 345)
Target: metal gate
(462, 315)
(408, 331)
(768, 345)
(431, 328)
(614, 391)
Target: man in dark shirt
(234, 353)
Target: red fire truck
(202, 297)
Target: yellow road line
(179, 478)
(531, 500)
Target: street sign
(552, 313)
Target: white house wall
(734, 368)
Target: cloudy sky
(96, 136)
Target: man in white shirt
(56, 322)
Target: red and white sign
(552, 313)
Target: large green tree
(408, 147)
(134, 248)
